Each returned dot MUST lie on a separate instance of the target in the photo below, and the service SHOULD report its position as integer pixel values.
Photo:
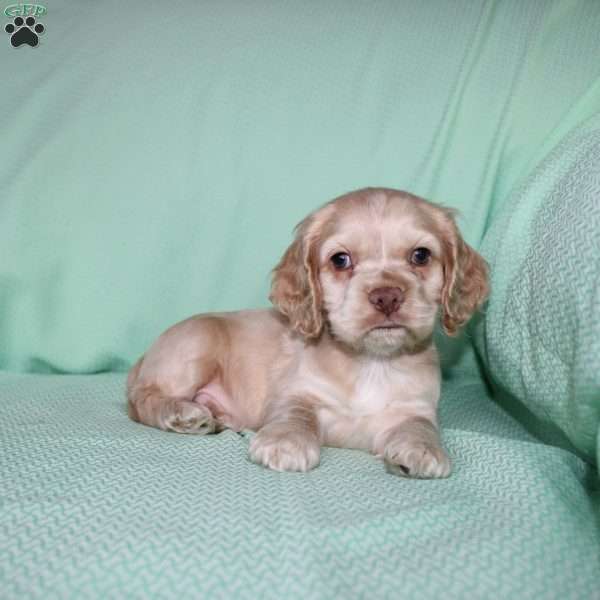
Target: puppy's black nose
(386, 299)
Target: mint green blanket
(154, 159)
(96, 506)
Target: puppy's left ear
(465, 280)
(295, 287)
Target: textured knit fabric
(541, 332)
(96, 506)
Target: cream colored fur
(326, 366)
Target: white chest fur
(377, 386)
(357, 387)
(381, 392)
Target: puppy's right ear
(295, 287)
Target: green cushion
(96, 506)
(541, 335)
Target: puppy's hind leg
(149, 405)
(177, 384)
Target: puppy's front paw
(409, 458)
(283, 450)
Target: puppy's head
(377, 266)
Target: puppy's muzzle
(386, 299)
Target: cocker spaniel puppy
(345, 359)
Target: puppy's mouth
(386, 327)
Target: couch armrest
(540, 338)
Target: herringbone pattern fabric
(542, 325)
(96, 506)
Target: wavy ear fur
(295, 287)
(465, 280)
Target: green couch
(154, 159)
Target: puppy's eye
(420, 256)
(341, 261)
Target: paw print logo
(24, 31)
